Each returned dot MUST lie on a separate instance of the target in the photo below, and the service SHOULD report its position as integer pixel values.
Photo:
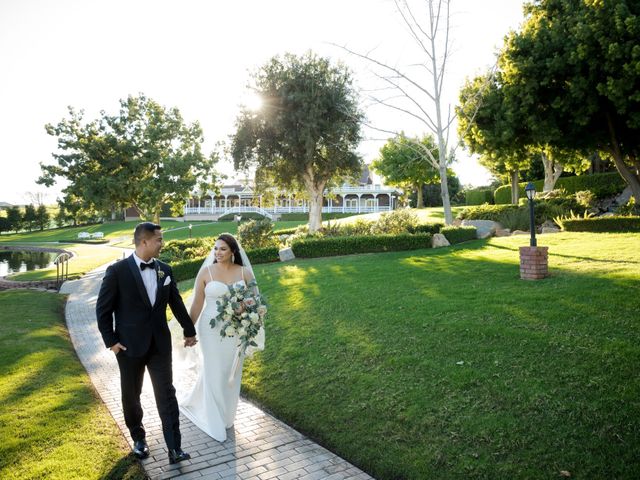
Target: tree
(420, 100)
(14, 218)
(575, 64)
(4, 225)
(307, 130)
(144, 157)
(42, 217)
(29, 217)
(403, 164)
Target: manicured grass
(444, 364)
(52, 423)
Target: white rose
(242, 332)
(262, 310)
(254, 317)
(245, 322)
(229, 331)
(226, 318)
(229, 310)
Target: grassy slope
(52, 423)
(444, 364)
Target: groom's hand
(190, 341)
(116, 347)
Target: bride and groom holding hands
(131, 314)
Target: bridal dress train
(212, 400)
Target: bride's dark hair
(233, 245)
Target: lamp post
(530, 190)
(190, 227)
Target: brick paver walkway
(259, 448)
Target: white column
(359, 200)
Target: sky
(197, 55)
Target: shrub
(602, 224)
(179, 250)
(187, 269)
(630, 208)
(332, 246)
(601, 184)
(290, 217)
(257, 234)
(359, 227)
(396, 222)
(485, 212)
(459, 234)
(427, 228)
(478, 196)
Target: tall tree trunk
(315, 189)
(420, 197)
(515, 188)
(632, 179)
(552, 171)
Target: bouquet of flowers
(241, 310)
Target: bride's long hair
(233, 245)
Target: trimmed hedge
(97, 241)
(478, 196)
(332, 246)
(602, 224)
(431, 228)
(485, 212)
(601, 184)
(189, 268)
(459, 234)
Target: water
(22, 261)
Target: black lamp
(530, 190)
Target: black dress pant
(160, 372)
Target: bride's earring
(233, 258)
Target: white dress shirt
(149, 278)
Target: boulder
(520, 232)
(550, 230)
(286, 254)
(439, 240)
(484, 228)
(503, 232)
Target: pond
(22, 261)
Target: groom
(135, 292)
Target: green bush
(602, 224)
(187, 269)
(333, 246)
(426, 228)
(459, 234)
(257, 234)
(601, 184)
(478, 196)
(285, 231)
(485, 212)
(179, 250)
(396, 222)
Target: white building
(365, 197)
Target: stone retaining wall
(6, 283)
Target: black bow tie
(151, 264)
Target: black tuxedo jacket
(123, 296)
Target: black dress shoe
(141, 449)
(178, 455)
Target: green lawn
(52, 423)
(444, 364)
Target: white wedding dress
(212, 401)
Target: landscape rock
(503, 232)
(519, 232)
(484, 228)
(550, 230)
(439, 240)
(286, 254)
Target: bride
(212, 401)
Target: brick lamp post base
(534, 263)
